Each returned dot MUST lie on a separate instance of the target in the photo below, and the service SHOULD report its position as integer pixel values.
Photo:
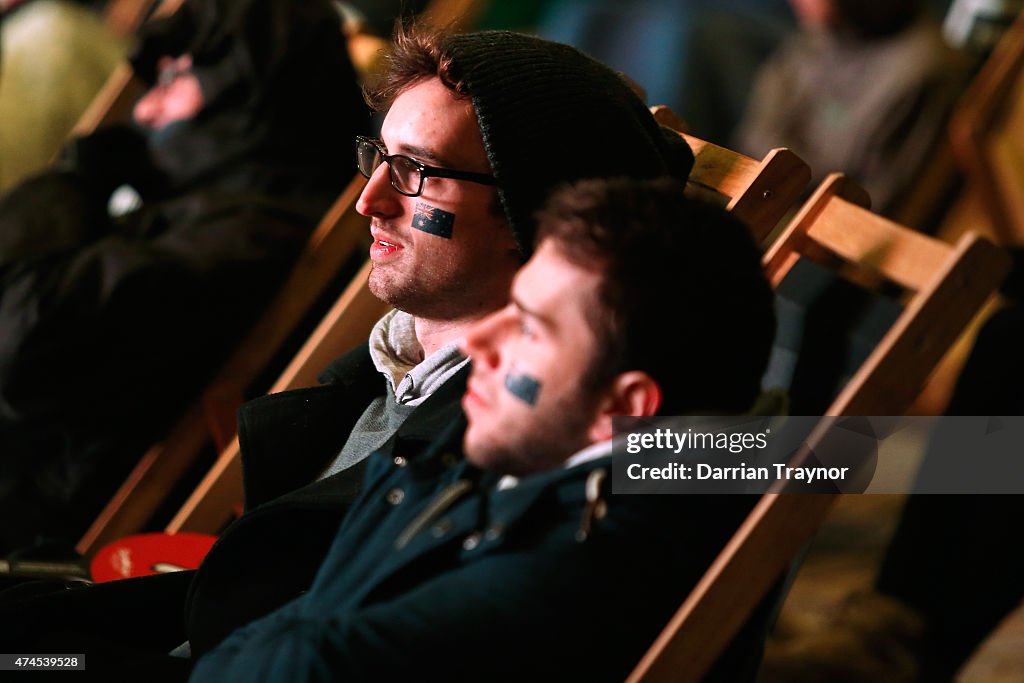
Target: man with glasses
(480, 128)
(519, 563)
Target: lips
(380, 249)
(384, 245)
(472, 398)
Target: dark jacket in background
(266, 558)
(108, 326)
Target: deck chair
(211, 419)
(759, 193)
(217, 498)
(763, 190)
(986, 133)
(457, 15)
(946, 286)
(124, 17)
(367, 49)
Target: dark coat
(271, 554)
(266, 558)
(110, 325)
(495, 585)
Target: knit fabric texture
(550, 115)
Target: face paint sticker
(432, 220)
(523, 387)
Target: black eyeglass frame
(425, 171)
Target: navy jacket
(437, 575)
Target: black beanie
(550, 115)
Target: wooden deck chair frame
(761, 191)
(994, 102)
(367, 49)
(950, 285)
(213, 417)
(454, 15)
(124, 17)
(216, 500)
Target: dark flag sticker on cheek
(523, 387)
(432, 220)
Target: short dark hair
(683, 297)
(548, 114)
(418, 53)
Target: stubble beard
(412, 294)
(544, 445)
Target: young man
(480, 128)
(517, 563)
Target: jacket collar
(314, 424)
(467, 510)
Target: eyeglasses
(406, 173)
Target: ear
(632, 393)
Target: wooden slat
(347, 324)
(124, 17)
(147, 484)
(794, 242)
(894, 373)
(113, 102)
(727, 172)
(211, 507)
(1004, 158)
(780, 179)
(885, 384)
(212, 418)
(457, 15)
(339, 233)
(978, 122)
(344, 327)
(759, 193)
(904, 256)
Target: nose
(378, 198)
(482, 343)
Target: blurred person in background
(130, 268)
(698, 57)
(865, 88)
